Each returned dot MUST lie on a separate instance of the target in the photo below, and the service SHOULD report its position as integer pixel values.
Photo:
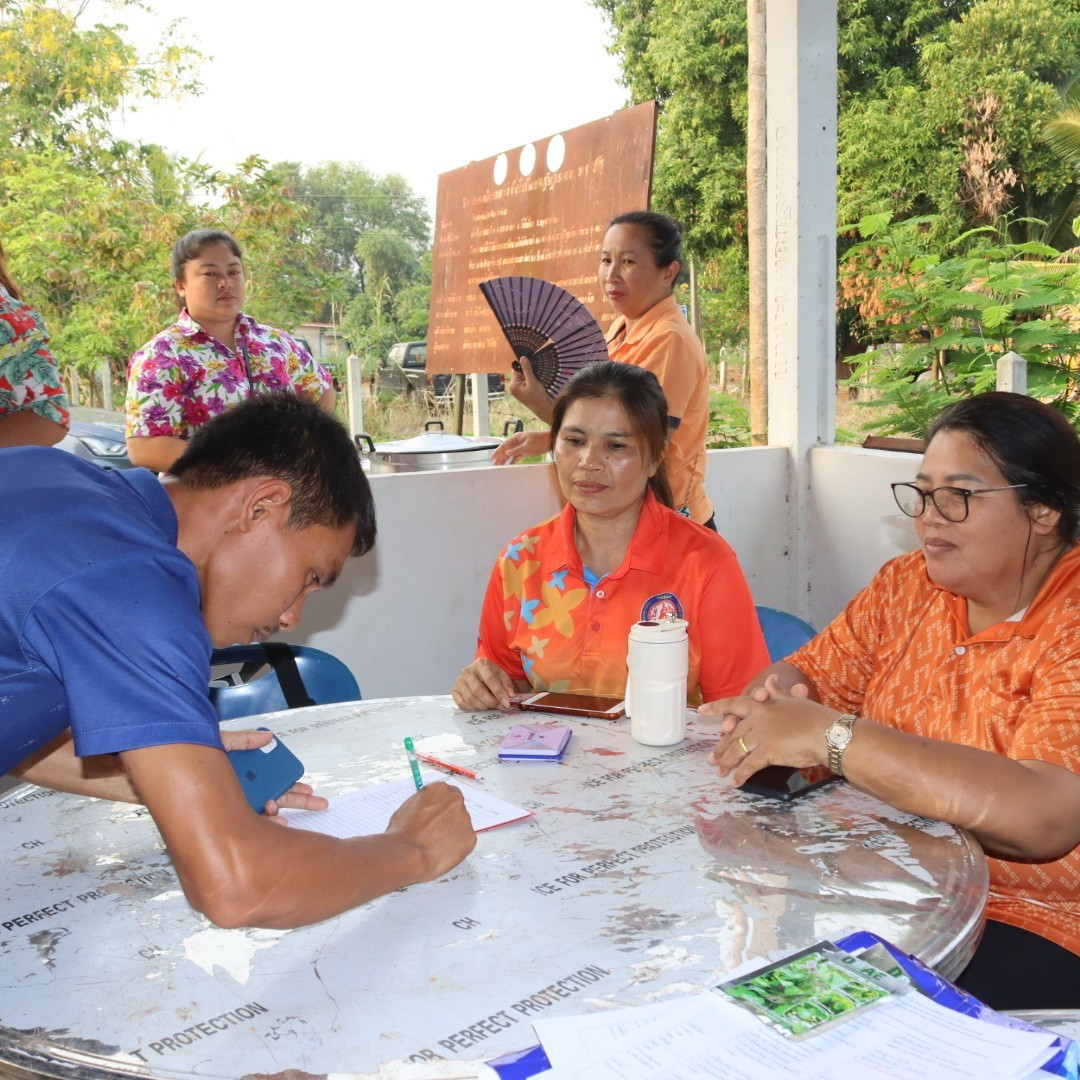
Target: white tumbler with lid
(657, 660)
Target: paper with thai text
(368, 811)
(703, 1038)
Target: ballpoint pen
(448, 766)
(414, 765)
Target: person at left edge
(114, 586)
(33, 404)
(212, 357)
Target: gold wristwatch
(837, 737)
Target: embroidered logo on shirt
(661, 607)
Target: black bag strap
(283, 662)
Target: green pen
(413, 763)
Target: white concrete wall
(404, 617)
(854, 523)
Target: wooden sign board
(539, 210)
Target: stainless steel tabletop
(639, 877)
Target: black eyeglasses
(950, 502)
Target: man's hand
(529, 390)
(298, 797)
(523, 444)
(483, 685)
(436, 822)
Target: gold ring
(745, 748)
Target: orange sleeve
(666, 355)
(839, 661)
(493, 641)
(733, 649)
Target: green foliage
(729, 422)
(951, 310)
(88, 221)
(374, 238)
(941, 109)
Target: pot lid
(436, 442)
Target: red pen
(448, 766)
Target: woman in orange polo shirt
(950, 686)
(563, 595)
(639, 261)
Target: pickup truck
(404, 371)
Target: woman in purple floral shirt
(33, 404)
(212, 357)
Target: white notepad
(367, 811)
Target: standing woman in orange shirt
(639, 262)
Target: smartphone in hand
(266, 772)
(786, 782)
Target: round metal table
(638, 877)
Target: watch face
(838, 736)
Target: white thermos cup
(657, 660)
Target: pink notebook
(543, 742)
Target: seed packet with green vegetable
(812, 990)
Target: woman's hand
(483, 685)
(529, 390)
(523, 444)
(787, 729)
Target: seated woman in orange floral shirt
(564, 594)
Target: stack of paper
(818, 1013)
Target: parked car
(97, 436)
(404, 371)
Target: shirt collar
(663, 309)
(647, 550)
(190, 328)
(1025, 624)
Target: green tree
(62, 82)
(954, 308)
(88, 220)
(941, 108)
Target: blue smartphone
(266, 772)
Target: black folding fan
(544, 323)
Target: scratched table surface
(638, 877)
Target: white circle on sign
(527, 161)
(502, 167)
(556, 153)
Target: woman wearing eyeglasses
(950, 686)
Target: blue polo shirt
(100, 624)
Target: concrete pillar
(481, 420)
(801, 111)
(354, 390)
(1012, 373)
(106, 385)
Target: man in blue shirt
(115, 587)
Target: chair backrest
(326, 679)
(784, 632)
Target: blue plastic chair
(784, 632)
(326, 680)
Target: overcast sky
(415, 87)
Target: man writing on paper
(115, 588)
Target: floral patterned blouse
(29, 374)
(184, 376)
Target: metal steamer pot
(436, 450)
